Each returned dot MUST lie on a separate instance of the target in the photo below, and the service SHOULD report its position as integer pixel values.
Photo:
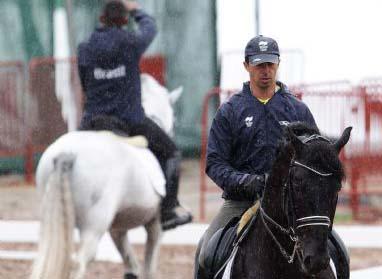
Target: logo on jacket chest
(248, 121)
(284, 123)
(110, 73)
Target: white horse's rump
(105, 184)
(116, 159)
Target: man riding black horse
(245, 133)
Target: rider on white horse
(108, 65)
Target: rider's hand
(254, 186)
(131, 5)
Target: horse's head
(312, 179)
(158, 102)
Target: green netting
(186, 38)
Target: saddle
(221, 244)
(137, 141)
(339, 255)
(114, 127)
(219, 247)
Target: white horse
(99, 182)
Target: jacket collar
(283, 88)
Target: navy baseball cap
(262, 49)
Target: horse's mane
(320, 152)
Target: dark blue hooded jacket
(244, 136)
(108, 66)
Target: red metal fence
(335, 106)
(12, 108)
(13, 113)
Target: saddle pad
(247, 216)
(138, 141)
(333, 268)
(228, 267)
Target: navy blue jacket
(245, 133)
(108, 65)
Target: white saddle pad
(139, 141)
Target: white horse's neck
(157, 102)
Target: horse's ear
(175, 94)
(297, 144)
(340, 143)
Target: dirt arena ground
(20, 202)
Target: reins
(290, 232)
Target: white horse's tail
(56, 243)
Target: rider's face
(262, 75)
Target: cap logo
(263, 45)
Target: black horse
(289, 236)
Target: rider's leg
(228, 210)
(170, 215)
(104, 122)
(168, 155)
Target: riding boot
(170, 207)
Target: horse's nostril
(315, 264)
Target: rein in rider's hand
(255, 185)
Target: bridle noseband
(295, 224)
(313, 221)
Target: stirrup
(173, 219)
(178, 221)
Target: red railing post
(366, 101)
(203, 152)
(354, 197)
(28, 163)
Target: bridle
(289, 207)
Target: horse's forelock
(322, 153)
(303, 129)
(319, 152)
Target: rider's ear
(340, 143)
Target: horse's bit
(315, 220)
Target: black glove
(254, 187)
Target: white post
(61, 52)
(257, 17)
